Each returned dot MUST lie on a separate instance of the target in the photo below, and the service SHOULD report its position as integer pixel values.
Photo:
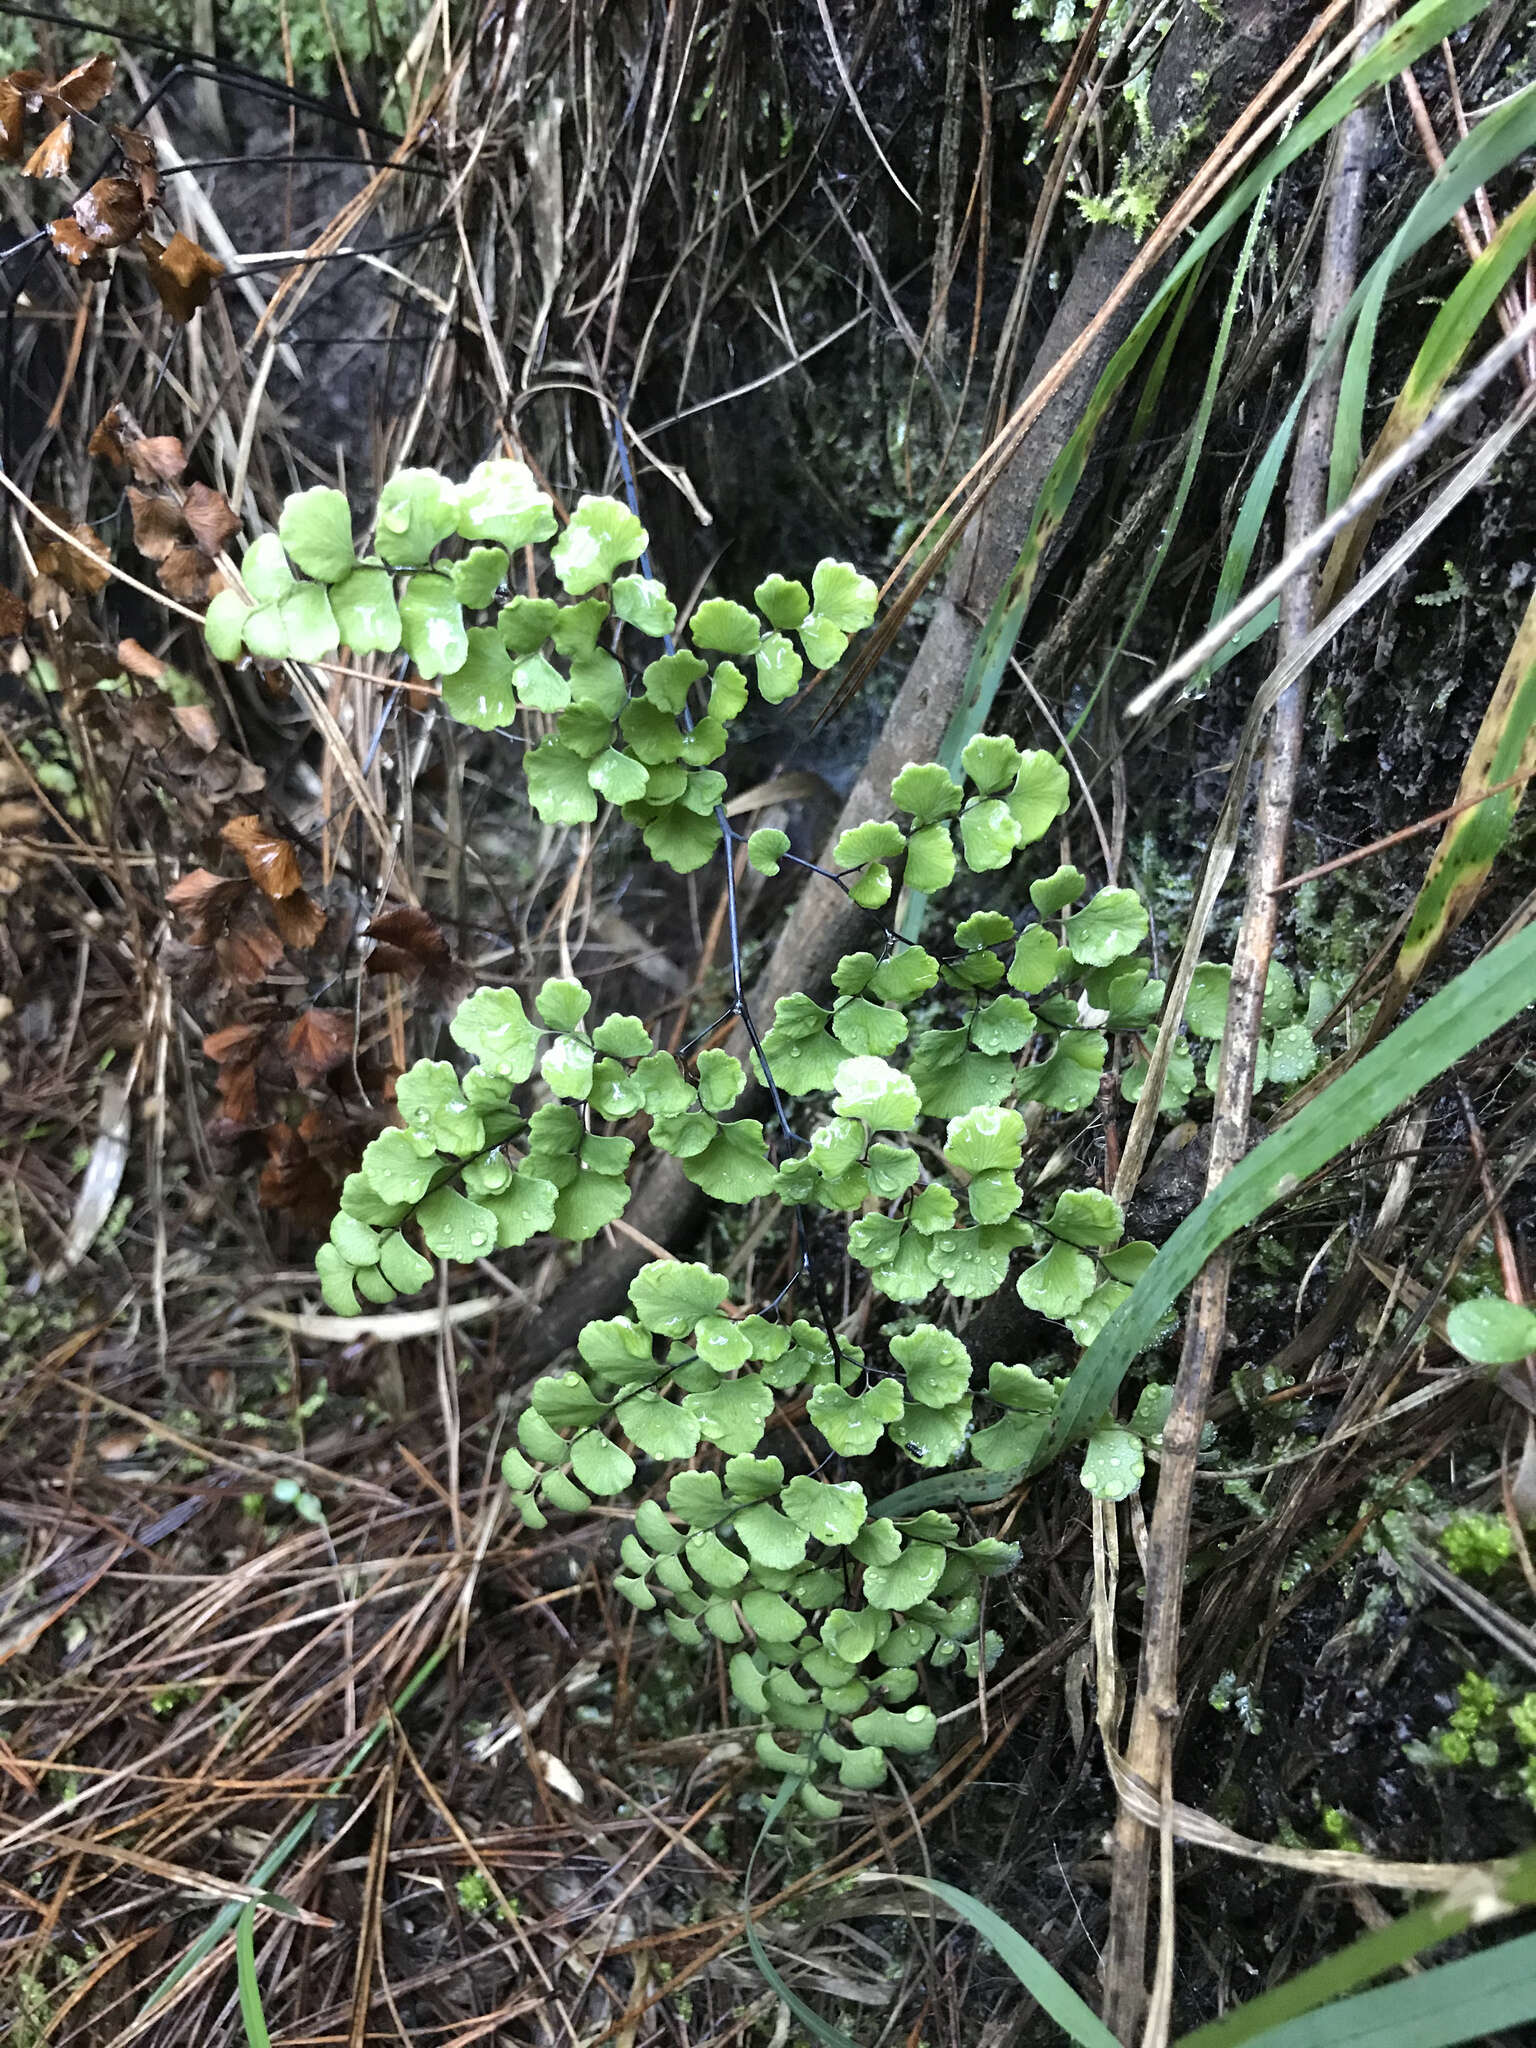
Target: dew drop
(477, 1237)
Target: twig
(1349, 860)
(1150, 1750)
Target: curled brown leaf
(270, 861)
(156, 458)
(140, 162)
(235, 1044)
(208, 513)
(408, 942)
(182, 273)
(71, 240)
(13, 114)
(199, 725)
(294, 1177)
(106, 442)
(300, 920)
(51, 157)
(318, 1042)
(83, 89)
(138, 661)
(248, 952)
(81, 563)
(33, 86)
(237, 1099)
(110, 213)
(187, 574)
(157, 524)
(205, 900)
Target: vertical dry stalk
(1150, 1750)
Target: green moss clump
(1476, 1546)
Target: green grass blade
(1481, 999)
(1196, 449)
(1419, 29)
(1474, 161)
(1462, 2001)
(252, 2017)
(1483, 1896)
(1451, 334)
(1162, 362)
(277, 1857)
(815, 2025)
(1044, 1983)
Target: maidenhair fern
(904, 1103)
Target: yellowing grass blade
(1503, 752)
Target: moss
(1475, 1545)
(1340, 1830)
(1475, 1736)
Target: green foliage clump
(1286, 1053)
(901, 1104)
(249, 33)
(433, 587)
(1491, 1728)
(1476, 1546)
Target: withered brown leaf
(110, 213)
(187, 574)
(208, 513)
(331, 1139)
(237, 1099)
(205, 900)
(300, 920)
(199, 724)
(71, 240)
(270, 861)
(51, 157)
(140, 160)
(318, 1042)
(83, 89)
(408, 942)
(182, 272)
(235, 1044)
(138, 661)
(85, 566)
(13, 115)
(157, 523)
(137, 147)
(13, 615)
(106, 443)
(293, 1179)
(248, 952)
(156, 458)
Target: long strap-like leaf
(1482, 998)
(1418, 30)
(1277, 2016)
